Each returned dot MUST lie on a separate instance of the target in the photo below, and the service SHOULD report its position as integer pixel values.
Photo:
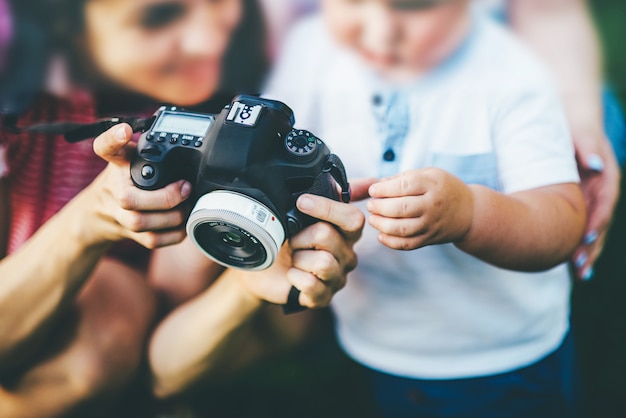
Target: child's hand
(420, 207)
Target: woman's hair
(247, 62)
(63, 23)
(25, 55)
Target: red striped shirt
(44, 171)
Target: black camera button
(147, 171)
(293, 226)
(197, 144)
(151, 149)
(150, 136)
(173, 140)
(185, 142)
(161, 137)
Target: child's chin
(398, 73)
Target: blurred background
(320, 381)
(599, 308)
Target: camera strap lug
(335, 167)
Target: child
(468, 126)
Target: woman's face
(170, 50)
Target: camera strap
(335, 167)
(293, 303)
(75, 131)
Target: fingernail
(587, 274)
(591, 237)
(120, 134)
(595, 163)
(185, 190)
(305, 203)
(372, 190)
(581, 260)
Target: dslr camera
(248, 165)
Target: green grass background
(599, 307)
(319, 381)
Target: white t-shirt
(489, 115)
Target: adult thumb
(113, 144)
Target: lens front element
(235, 230)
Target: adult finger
(168, 197)
(113, 145)
(323, 265)
(593, 242)
(601, 191)
(329, 242)
(137, 221)
(313, 292)
(348, 218)
(152, 239)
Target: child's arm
(530, 230)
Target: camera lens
(230, 244)
(235, 230)
(232, 239)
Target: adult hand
(151, 218)
(600, 183)
(316, 260)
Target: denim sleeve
(614, 125)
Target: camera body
(248, 165)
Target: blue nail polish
(591, 237)
(587, 274)
(580, 260)
(595, 163)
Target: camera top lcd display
(183, 124)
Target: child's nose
(380, 29)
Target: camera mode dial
(301, 144)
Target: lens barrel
(235, 230)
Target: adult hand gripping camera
(248, 165)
